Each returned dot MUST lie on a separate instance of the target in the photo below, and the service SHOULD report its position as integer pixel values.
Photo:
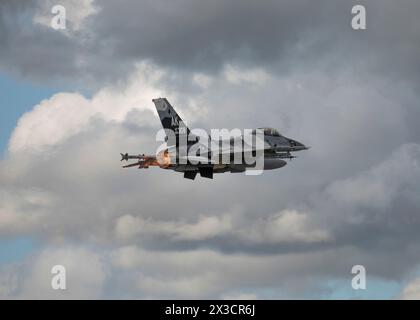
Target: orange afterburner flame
(163, 159)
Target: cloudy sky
(71, 100)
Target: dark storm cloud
(204, 35)
(9, 11)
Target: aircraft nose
(298, 145)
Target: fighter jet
(180, 151)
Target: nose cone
(297, 146)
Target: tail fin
(169, 118)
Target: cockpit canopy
(268, 132)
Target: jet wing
(198, 159)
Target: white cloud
(287, 226)
(205, 228)
(205, 273)
(237, 75)
(412, 290)
(202, 80)
(67, 114)
(21, 209)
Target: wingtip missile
(124, 156)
